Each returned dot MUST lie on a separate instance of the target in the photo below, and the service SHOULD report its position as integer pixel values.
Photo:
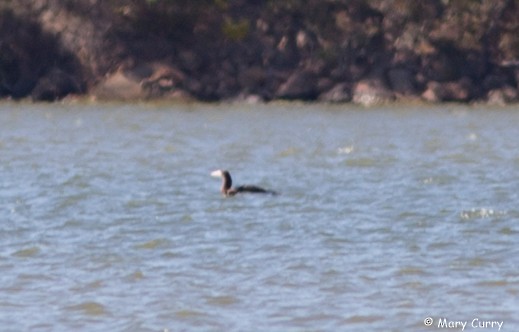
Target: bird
(227, 189)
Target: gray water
(111, 222)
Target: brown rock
(343, 21)
(340, 93)
(55, 85)
(433, 92)
(161, 79)
(118, 86)
(444, 65)
(190, 60)
(502, 96)
(369, 92)
(179, 95)
(249, 99)
(402, 81)
(324, 84)
(461, 91)
(302, 84)
(148, 80)
(252, 77)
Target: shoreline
(357, 51)
(82, 100)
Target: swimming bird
(228, 190)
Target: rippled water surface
(109, 220)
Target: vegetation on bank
(365, 51)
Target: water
(111, 222)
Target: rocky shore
(360, 51)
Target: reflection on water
(110, 220)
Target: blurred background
(365, 51)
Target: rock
(162, 78)
(194, 86)
(369, 92)
(249, 99)
(340, 93)
(251, 78)
(493, 81)
(432, 93)
(287, 53)
(303, 40)
(190, 61)
(324, 84)
(302, 84)
(502, 96)
(402, 81)
(144, 81)
(306, 41)
(56, 84)
(461, 90)
(343, 21)
(118, 86)
(178, 95)
(291, 50)
(226, 87)
(444, 65)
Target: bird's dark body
(227, 189)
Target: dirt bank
(360, 51)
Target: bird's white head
(217, 174)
